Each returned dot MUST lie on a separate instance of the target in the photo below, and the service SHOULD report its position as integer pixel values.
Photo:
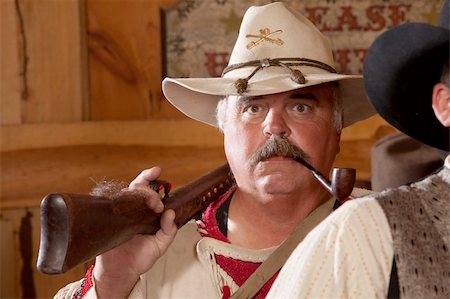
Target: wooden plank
(52, 85)
(10, 83)
(167, 133)
(10, 260)
(125, 60)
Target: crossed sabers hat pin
(265, 35)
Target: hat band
(296, 75)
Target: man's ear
(441, 103)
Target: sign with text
(200, 34)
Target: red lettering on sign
(216, 62)
(375, 17)
(315, 15)
(398, 13)
(342, 60)
(360, 54)
(347, 18)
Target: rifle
(71, 233)
(77, 227)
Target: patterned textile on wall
(203, 32)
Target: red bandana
(86, 284)
(238, 270)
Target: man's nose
(275, 124)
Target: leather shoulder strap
(277, 259)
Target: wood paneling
(124, 39)
(164, 132)
(43, 61)
(10, 66)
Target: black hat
(401, 68)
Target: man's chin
(275, 184)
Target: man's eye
(253, 108)
(302, 108)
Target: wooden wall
(81, 102)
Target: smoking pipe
(342, 179)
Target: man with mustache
(278, 99)
(277, 146)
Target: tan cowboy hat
(276, 51)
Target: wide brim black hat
(401, 68)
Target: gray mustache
(277, 146)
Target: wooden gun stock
(76, 228)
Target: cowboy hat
(276, 51)
(401, 68)
(398, 159)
